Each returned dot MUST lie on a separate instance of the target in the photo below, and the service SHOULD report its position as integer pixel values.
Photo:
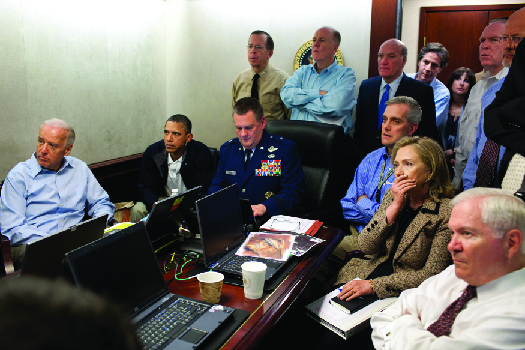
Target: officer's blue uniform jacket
(274, 171)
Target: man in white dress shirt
(486, 284)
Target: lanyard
(382, 180)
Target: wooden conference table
(264, 312)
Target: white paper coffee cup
(210, 284)
(253, 277)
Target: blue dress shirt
(469, 175)
(301, 94)
(441, 99)
(36, 202)
(365, 181)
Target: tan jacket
(422, 251)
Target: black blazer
(505, 116)
(367, 135)
(197, 169)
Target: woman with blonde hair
(406, 240)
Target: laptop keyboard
(233, 264)
(169, 323)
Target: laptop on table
(45, 257)
(221, 228)
(167, 216)
(123, 268)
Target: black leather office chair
(5, 250)
(327, 163)
(7, 260)
(215, 155)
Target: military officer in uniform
(266, 168)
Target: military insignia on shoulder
(272, 149)
(268, 194)
(269, 168)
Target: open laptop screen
(45, 257)
(220, 223)
(168, 214)
(122, 267)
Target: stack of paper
(282, 223)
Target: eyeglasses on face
(513, 39)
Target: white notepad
(340, 322)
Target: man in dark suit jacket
(505, 117)
(176, 162)
(391, 58)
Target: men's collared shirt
(469, 175)
(468, 126)
(36, 202)
(365, 182)
(441, 98)
(301, 94)
(393, 88)
(174, 180)
(271, 81)
(492, 320)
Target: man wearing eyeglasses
(491, 57)
(262, 81)
(480, 171)
(505, 116)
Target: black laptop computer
(45, 257)
(167, 216)
(123, 268)
(221, 229)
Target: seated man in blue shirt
(324, 91)
(266, 168)
(48, 192)
(375, 174)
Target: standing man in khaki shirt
(262, 81)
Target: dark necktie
(487, 164)
(382, 179)
(255, 91)
(382, 105)
(248, 153)
(443, 325)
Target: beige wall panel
(206, 49)
(100, 65)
